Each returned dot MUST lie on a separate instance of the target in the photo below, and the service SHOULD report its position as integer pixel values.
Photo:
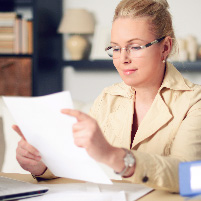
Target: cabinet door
(16, 76)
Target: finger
(75, 113)
(26, 146)
(79, 143)
(77, 127)
(79, 140)
(26, 154)
(26, 161)
(17, 129)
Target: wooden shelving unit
(108, 65)
(47, 43)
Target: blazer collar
(173, 79)
(159, 114)
(120, 89)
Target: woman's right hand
(28, 156)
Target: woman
(146, 125)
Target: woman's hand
(28, 156)
(87, 134)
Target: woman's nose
(124, 56)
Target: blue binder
(189, 182)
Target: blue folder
(189, 178)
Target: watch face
(129, 160)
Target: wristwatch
(129, 161)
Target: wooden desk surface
(155, 195)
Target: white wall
(186, 17)
(86, 86)
(102, 9)
(186, 14)
(9, 141)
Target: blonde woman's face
(145, 67)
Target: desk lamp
(77, 23)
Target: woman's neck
(146, 95)
(147, 92)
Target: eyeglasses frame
(139, 47)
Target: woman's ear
(166, 47)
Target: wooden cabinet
(16, 76)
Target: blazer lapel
(157, 116)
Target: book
(7, 42)
(6, 29)
(7, 15)
(7, 19)
(17, 32)
(7, 23)
(7, 45)
(30, 36)
(8, 36)
(6, 50)
(24, 36)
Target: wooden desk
(153, 196)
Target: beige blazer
(169, 133)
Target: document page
(94, 192)
(46, 128)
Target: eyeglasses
(115, 51)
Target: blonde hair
(155, 10)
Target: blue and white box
(190, 178)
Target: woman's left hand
(87, 134)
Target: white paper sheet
(50, 131)
(94, 192)
(132, 191)
(81, 196)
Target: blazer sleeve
(46, 175)
(161, 172)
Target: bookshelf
(45, 60)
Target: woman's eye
(117, 49)
(135, 47)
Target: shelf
(188, 66)
(16, 55)
(91, 65)
(10, 5)
(88, 65)
(23, 3)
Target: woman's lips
(129, 71)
